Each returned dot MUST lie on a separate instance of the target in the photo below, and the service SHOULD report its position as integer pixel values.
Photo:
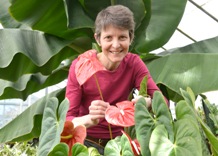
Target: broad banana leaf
(5, 18)
(27, 51)
(193, 66)
(165, 17)
(30, 83)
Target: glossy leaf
(145, 123)
(122, 115)
(210, 136)
(113, 147)
(159, 31)
(30, 83)
(60, 149)
(162, 113)
(186, 140)
(136, 6)
(5, 19)
(52, 125)
(87, 66)
(35, 52)
(79, 150)
(46, 18)
(187, 67)
(33, 116)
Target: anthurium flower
(87, 65)
(134, 144)
(71, 135)
(122, 115)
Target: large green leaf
(145, 123)
(30, 83)
(5, 19)
(29, 121)
(48, 16)
(79, 150)
(136, 6)
(113, 147)
(188, 94)
(27, 51)
(52, 125)
(165, 17)
(188, 67)
(60, 149)
(186, 140)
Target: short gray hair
(116, 15)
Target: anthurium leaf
(187, 71)
(28, 122)
(46, 18)
(79, 150)
(126, 146)
(144, 125)
(186, 140)
(188, 96)
(162, 113)
(113, 147)
(143, 87)
(183, 110)
(60, 149)
(52, 125)
(159, 142)
(30, 83)
(93, 151)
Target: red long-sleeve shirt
(115, 86)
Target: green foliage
(143, 87)
(42, 38)
(52, 125)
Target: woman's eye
(123, 37)
(108, 37)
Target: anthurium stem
(99, 90)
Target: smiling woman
(117, 73)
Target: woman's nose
(116, 44)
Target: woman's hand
(147, 99)
(97, 110)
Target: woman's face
(115, 44)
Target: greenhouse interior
(190, 30)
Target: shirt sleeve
(73, 93)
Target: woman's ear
(97, 39)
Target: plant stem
(99, 90)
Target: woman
(123, 71)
